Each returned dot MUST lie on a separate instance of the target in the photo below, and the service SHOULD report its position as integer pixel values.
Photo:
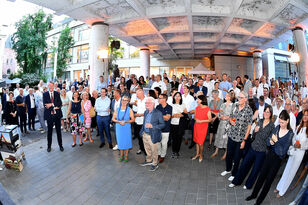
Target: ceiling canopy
(191, 28)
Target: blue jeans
(302, 191)
(233, 157)
(103, 124)
(255, 159)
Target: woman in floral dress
(74, 109)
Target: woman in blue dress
(123, 116)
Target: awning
(200, 69)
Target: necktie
(51, 99)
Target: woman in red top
(203, 117)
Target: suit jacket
(158, 124)
(28, 104)
(4, 101)
(204, 89)
(57, 103)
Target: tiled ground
(89, 175)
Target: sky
(12, 11)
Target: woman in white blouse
(296, 154)
(176, 133)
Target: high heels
(213, 155)
(91, 140)
(85, 139)
(195, 157)
(200, 159)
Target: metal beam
(190, 25)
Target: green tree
(29, 41)
(115, 54)
(65, 42)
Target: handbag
(291, 150)
(92, 112)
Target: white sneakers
(115, 147)
(231, 185)
(292, 203)
(244, 187)
(224, 173)
(231, 178)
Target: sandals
(120, 159)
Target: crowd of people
(257, 123)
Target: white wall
(234, 65)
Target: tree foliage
(115, 54)
(65, 42)
(29, 41)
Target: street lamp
(295, 57)
(102, 54)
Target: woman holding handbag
(86, 107)
(296, 154)
(256, 154)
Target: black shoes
(48, 149)
(250, 198)
(191, 146)
(61, 149)
(102, 145)
(110, 146)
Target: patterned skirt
(76, 125)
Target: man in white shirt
(101, 84)
(187, 98)
(287, 107)
(159, 83)
(263, 82)
(235, 89)
(278, 107)
(261, 107)
(209, 84)
(267, 100)
(16, 91)
(140, 104)
(70, 93)
(257, 90)
(303, 90)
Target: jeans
(255, 159)
(103, 124)
(302, 191)
(163, 145)
(23, 122)
(233, 157)
(40, 115)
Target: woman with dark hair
(153, 94)
(142, 82)
(256, 154)
(279, 141)
(122, 81)
(240, 84)
(157, 91)
(296, 154)
(74, 109)
(221, 138)
(203, 117)
(10, 112)
(168, 85)
(176, 133)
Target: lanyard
(123, 115)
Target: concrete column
(257, 64)
(98, 40)
(145, 62)
(301, 49)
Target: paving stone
(89, 175)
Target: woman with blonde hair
(85, 107)
(65, 102)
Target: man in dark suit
(30, 102)
(53, 114)
(22, 111)
(200, 87)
